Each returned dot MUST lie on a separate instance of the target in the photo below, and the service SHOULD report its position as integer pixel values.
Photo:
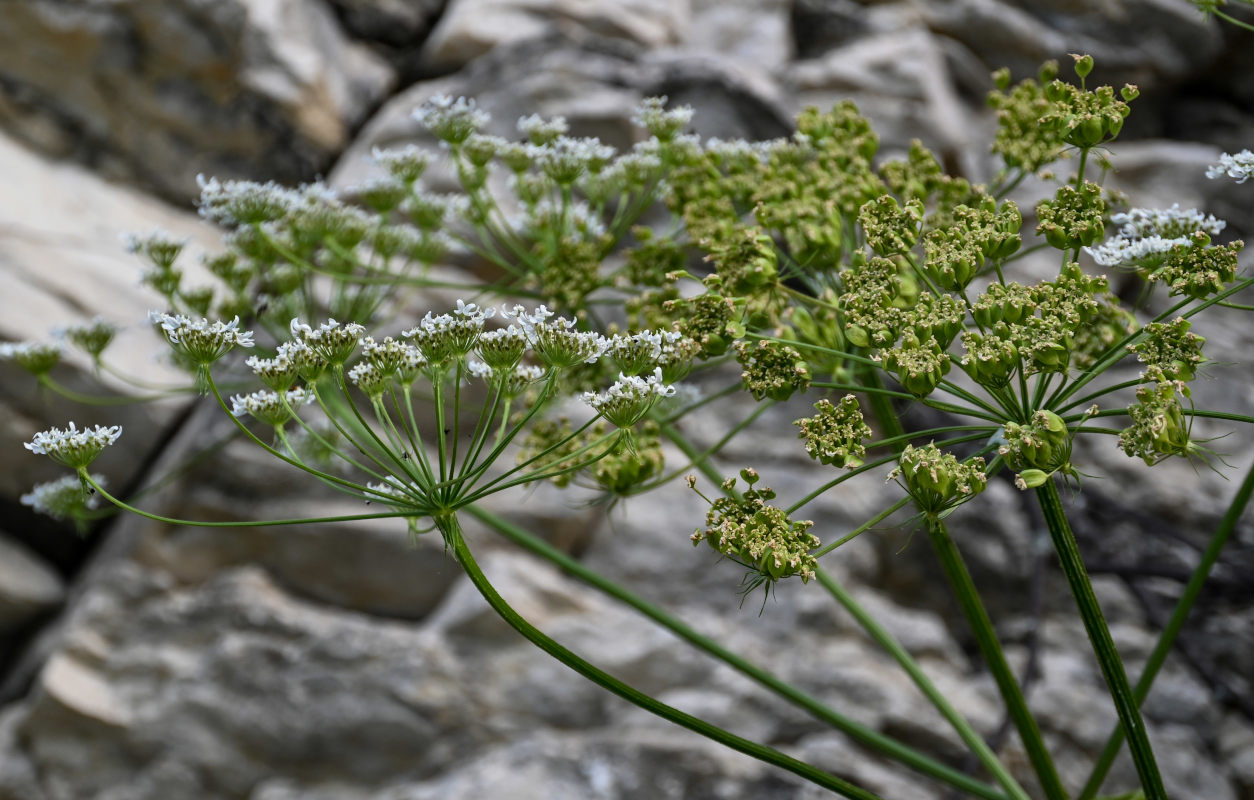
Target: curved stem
(869, 737)
(986, 637)
(890, 644)
(451, 529)
(255, 523)
(1099, 636)
(1172, 629)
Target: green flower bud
(937, 480)
(1083, 64)
(1031, 478)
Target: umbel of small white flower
(37, 358)
(629, 398)
(1148, 235)
(1239, 167)
(72, 447)
(63, 498)
(202, 342)
(272, 408)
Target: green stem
(890, 644)
(986, 637)
(869, 737)
(1172, 629)
(1103, 645)
(864, 527)
(451, 529)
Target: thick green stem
(452, 532)
(1103, 645)
(890, 644)
(1172, 629)
(986, 637)
(869, 737)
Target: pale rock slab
(159, 92)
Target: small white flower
(404, 163)
(202, 341)
(539, 130)
(271, 408)
(629, 398)
(1239, 167)
(1168, 223)
(63, 497)
(72, 447)
(37, 358)
(331, 340)
(450, 120)
(244, 202)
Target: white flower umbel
(332, 341)
(1146, 253)
(233, 203)
(540, 130)
(202, 341)
(404, 163)
(372, 381)
(1169, 223)
(1239, 167)
(62, 498)
(451, 120)
(448, 337)
(555, 340)
(653, 115)
(74, 448)
(270, 407)
(277, 373)
(627, 401)
(1147, 235)
(37, 358)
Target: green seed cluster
(1172, 348)
(758, 535)
(772, 369)
(936, 480)
(836, 434)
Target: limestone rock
(159, 92)
(1146, 42)
(63, 262)
(28, 586)
(470, 28)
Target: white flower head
(630, 397)
(406, 163)
(278, 373)
(445, 338)
(63, 498)
(72, 447)
(272, 408)
(235, 203)
(202, 341)
(452, 121)
(332, 341)
(542, 131)
(37, 358)
(372, 381)
(1239, 167)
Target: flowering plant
(831, 272)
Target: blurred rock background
(341, 662)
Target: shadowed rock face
(344, 662)
(159, 92)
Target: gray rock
(29, 587)
(157, 93)
(212, 689)
(63, 262)
(1145, 42)
(470, 28)
(396, 23)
